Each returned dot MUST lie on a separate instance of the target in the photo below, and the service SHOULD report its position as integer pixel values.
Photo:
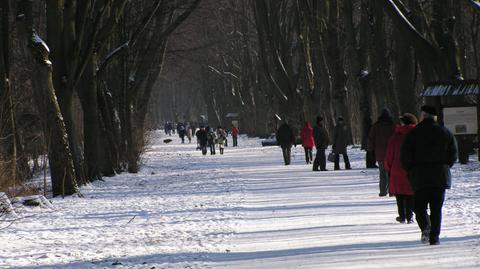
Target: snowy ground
(241, 210)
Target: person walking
(235, 132)
(378, 138)
(211, 137)
(189, 132)
(202, 139)
(339, 145)
(427, 154)
(221, 139)
(182, 132)
(399, 185)
(320, 137)
(285, 139)
(370, 161)
(306, 134)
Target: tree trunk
(355, 51)
(62, 170)
(61, 38)
(404, 72)
(8, 147)
(381, 78)
(91, 125)
(110, 131)
(336, 67)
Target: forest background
(83, 82)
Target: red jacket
(235, 131)
(398, 176)
(307, 136)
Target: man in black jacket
(285, 139)
(320, 136)
(427, 154)
(202, 139)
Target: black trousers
(212, 148)
(345, 159)
(235, 140)
(370, 160)
(286, 150)
(308, 155)
(433, 198)
(204, 149)
(320, 160)
(405, 206)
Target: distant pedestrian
(306, 134)
(321, 139)
(427, 154)
(378, 138)
(285, 139)
(235, 132)
(211, 136)
(182, 132)
(221, 139)
(399, 185)
(370, 161)
(189, 132)
(202, 139)
(339, 146)
(168, 128)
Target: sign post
(462, 120)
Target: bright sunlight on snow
(244, 209)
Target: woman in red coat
(399, 185)
(307, 141)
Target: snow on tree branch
(41, 48)
(475, 4)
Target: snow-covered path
(241, 210)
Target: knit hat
(429, 109)
(319, 119)
(408, 118)
(385, 115)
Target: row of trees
(81, 79)
(76, 79)
(302, 58)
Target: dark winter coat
(398, 184)
(211, 137)
(285, 136)
(427, 154)
(181, 130)
(379, 135)
(320, 137)
(202, 137)
(306, 135)
(340, 139)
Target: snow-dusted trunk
(61, 39)
(62, 171)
